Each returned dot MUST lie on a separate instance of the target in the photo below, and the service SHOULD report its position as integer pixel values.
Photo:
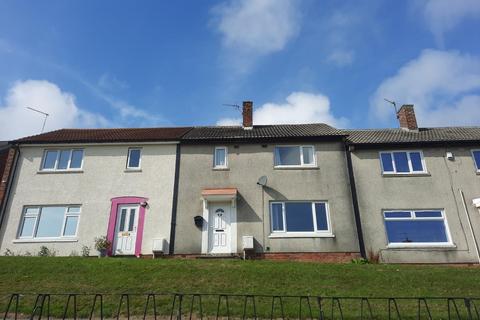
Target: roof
(423, 135)
(3, 145)
(262, 132)
(106, 135)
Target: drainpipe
(356, 210)
(13, 171)
(175, 202)
(469, 224)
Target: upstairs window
(134, 158)
(49, 222)
(402, 162)
(294, 156)
(62, 160)
(476, 159)
(220, 160)
(407, 227)
(299, 217)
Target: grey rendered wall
(437, 190)
(103, 178)
(246, 164)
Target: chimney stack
(406, 117)
(247, 114)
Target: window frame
(300, 234)
(37, 217)
(59, 151)
(410, 167)
(302, 164)
(139, 159)
(413, 217)
(475, 164)
(215, 157)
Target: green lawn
(115, 276)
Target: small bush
(360, 261)
(45, 252)
(101, 243)
(85, 251)
(27, 254)
(8, 253)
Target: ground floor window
(299, 217)
(49, 222)
(416, 227)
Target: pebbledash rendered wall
(103, 178)
(439, 189)
(246, 163)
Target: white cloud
(17, 121)
(252, 28)
(263, 26)
(111, 82)
(341, 57)
(443, 85)
(444, 15)
(300, 107)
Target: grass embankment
(115, 276)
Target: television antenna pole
(44, 113)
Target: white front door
(219, 234)
(126, 230)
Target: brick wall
(6, 164)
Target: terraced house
(306, 191)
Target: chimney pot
(247, 113)
(406, 117)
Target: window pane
(50, 159)
(299, 216)
(476, 157)
(428, 214)
(63, 159)
(401, 161)
(307, 155)
(321, 215)
(134, 158)
(398, 214)
(416, 160)
(76, 162)
(277, 218)
(123, 215)
(131, 221)
(71, 226)
(387, 162)
(51, 222)
(27, 228)
(31, 211)
(416, 231)
(220, 157)
(73, 209)
(285, 156)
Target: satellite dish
(262, 181)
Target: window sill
(301, 235)
(221, 169)
(58, 171)
(296, 168)
(132, 170)
(419, 174)
(45, 240)
(421, 246)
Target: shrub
(45, 252)
(85, 251)
(101, 243)
(9, 253)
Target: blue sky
(158, 63)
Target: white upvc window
(476, 159)
(300, 218)
(402, 162)
(294, 156)
(49, 222)
(416, 228)
(62, 160)
(220, 158)
(134, 158)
